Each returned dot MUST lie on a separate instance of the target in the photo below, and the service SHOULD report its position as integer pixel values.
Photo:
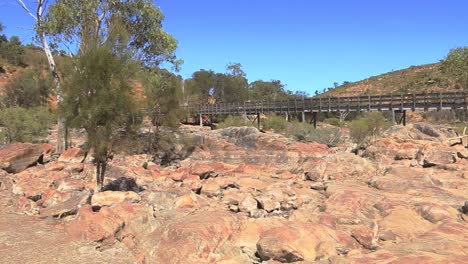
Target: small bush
(277, 123)
(24, 125)
(234, 121)
(370, 126)
(332, 121)
(306, 132)
(29, 89)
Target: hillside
(415, 79)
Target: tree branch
(21, 3)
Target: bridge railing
(421, 101)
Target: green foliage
(71, 20)
(234, 121)
(332, 121)
(276, 123)
(306, 132)
(456, 65)
(370, 126)
(273, 90)
(229, 87)
(24, 125)
(28, 89)
(99, 95)
(163, 92)
(12, 51)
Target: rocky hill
(242, 196)
(415, 79)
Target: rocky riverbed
(242, 196)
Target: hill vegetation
(450, 74)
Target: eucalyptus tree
(75, 25)
(38, 16)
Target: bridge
(397, 103)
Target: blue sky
(306, 44)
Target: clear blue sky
(306, 44)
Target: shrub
(29, 89)
(24, 125)
(332, 121)
(234, 121)
(370, 126)
(277, 123)
(306, 132)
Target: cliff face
(243, 196)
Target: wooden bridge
(395, 103)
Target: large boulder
(17, 157)
(199, 237)
(109, 198)
(301, 242)
(76, 155)
(69, 206)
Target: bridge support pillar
(201, 119)
(314, 119)
(403, 117)
(401, 120)
(258, 121)
(287, 116)
(303, 117)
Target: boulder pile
(243, 196)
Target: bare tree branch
(21, 3)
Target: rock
(248, 204)
(192, 238)
(162, 200)
(434, 157)
(405, 223)
(17, 157)
(204, 171)
(464, 208)
(53, 197)
(75, 155)
(365, 236)
(318, 186)
(433, 213)
(109, 198)
(258, 213)
(68, 207)
(302, 242)
(211, 189)
(268, 203)
(47, 152)
(190, 200)
(95, 226)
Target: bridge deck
(430, 101)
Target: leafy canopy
(456, 64)
(98, 93)
(79, 23)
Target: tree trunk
(61, 145)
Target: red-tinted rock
(73, 155)
(68, 207)
(95, 226)
(365, 236)
(17, 157)
(109, 198)
(192, 238)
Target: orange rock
(95, 226)
(109, 198)
(17, 157)
(73, 155)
